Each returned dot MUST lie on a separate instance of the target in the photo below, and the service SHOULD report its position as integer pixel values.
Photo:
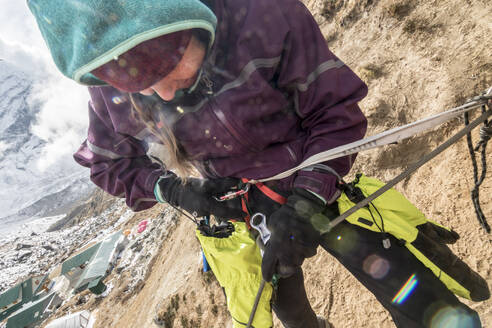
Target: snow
(4, 146)
(27, 189)
(32, 250)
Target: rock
(81, 300)
(137, 246)
(34, 272)
(22, 256)
(49, 248)
(22, 246)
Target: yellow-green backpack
(424, 238)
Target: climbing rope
(385, 138)
(485, 135)
(412, 168)
(484, 99)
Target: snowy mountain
(25, 190)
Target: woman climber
(233, 89)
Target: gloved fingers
(229, 209)
(309, 251)
(289, 252)
(285, 271)
(269, 263)
(220, 186)
(305, 236)
(446, 236)
(290, 257)
(296, 231)
(293, 253)
(303, 207)
(331, 211)
(283, 257)
(438, 233)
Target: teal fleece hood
(85, 34)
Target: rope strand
(485, 135)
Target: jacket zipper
(219, 114)
(208, 84)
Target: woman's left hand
(293, 237)
(197, 195)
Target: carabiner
(233, 193)
(258, 222)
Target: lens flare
(118, 100)
(406, 290)
(449, 317)
(376, 266)
(122, 62)
(342, 240)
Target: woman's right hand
(196, 196)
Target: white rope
(384, 138)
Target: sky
(62, 121)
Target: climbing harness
(235, 259)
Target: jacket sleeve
(325, 93)
(118, 162)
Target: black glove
(293, 238)
(196, 195)
(438, 234)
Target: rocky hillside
(418, 58)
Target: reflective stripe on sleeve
(103, 152)
(327, 65)
(140, 200)
(249, 69)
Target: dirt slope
(418, 58)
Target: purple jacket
(270, 95)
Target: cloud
(63, 119)
(4, 146)
(28, 59)
(21, 42)
(17, 22)
(59, 152)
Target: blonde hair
(173, 157)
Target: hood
(85, 34)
